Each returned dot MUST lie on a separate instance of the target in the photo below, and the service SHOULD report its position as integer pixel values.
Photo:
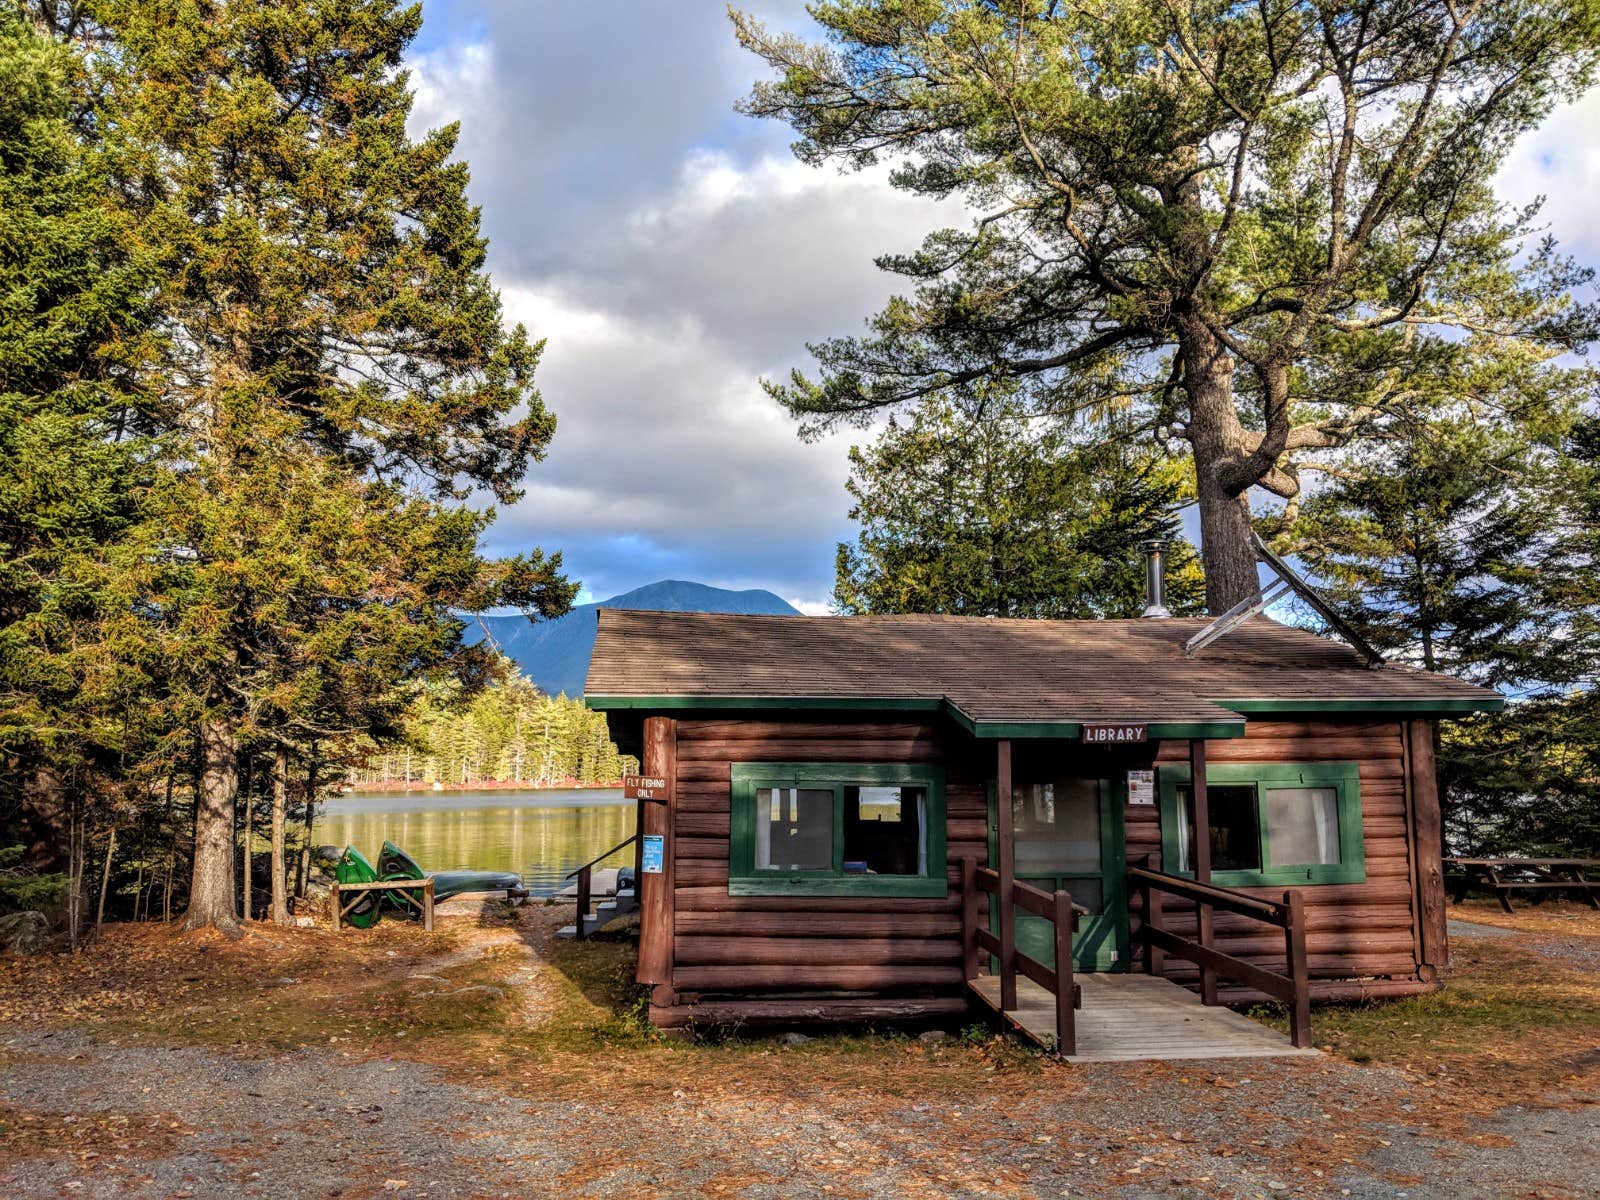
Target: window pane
(883, 830)
(1235, 827)
(1056, 825)
(1302, 826)
(794, 829)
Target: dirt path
(492, 1062)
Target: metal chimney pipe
(1155, 578)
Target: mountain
(555, 654)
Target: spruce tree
(72, 441)
(1000, 514)
(333, 362)
(1468, 545)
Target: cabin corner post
(1202, 858)
(1428, 842)
(656, 890)
(1005, 899)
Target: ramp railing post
(1066, 922)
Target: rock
(932, 1037)
(794, 1039)
(24, 932)
(306, 922)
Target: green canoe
(395, 863)
(354, 868)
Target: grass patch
(1507, 1020)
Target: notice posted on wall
(1141, 787)
(651, 859)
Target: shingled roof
(998, 676)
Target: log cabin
(875, 818)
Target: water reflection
(540, 834)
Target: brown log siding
(1354, 929)
(732, 945)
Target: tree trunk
(280, 807)
(211, 893)
(246, 859)
(311, 816)
(1216, 437)
(105, 881)
(46, 822)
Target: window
(837, 829)
(1271, 823)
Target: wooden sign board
(1120, 733)
(646, 787)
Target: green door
(1067, 833)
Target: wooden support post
(427, 904)
(1155, 958)
(1295, 945)
(338, 913)
(1428, 847)
(638, 847)
(969, 917)
(656, 900)
(1066, 922)
(1005, 901)
(583, 901)
(1202, 857)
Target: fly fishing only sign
(646, 787)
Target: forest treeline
(507, 733)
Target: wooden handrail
(1055, 907)
(627, 841)
(1292, 986)
(585, 876)
(1227, 899)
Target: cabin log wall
(1354, 930)
(904, 954)
(746, 945)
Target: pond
(540, 834)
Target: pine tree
(1000, 514)
(1259, 227)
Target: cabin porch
(1133, 1018)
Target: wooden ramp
(1128, 1018)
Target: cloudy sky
(674, 253)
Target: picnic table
(1540, 876)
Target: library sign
(1121, 733)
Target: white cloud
(1561, 162)
(672, 258)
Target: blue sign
(654, 854)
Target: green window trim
(1343, 777)
(745, 880)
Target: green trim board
(981, 729)
(1040, 729)
(1343, 777)
(745, 880)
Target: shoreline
(401, 787)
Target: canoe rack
(403, 886)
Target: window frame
(745, 880)
(1343, 777)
